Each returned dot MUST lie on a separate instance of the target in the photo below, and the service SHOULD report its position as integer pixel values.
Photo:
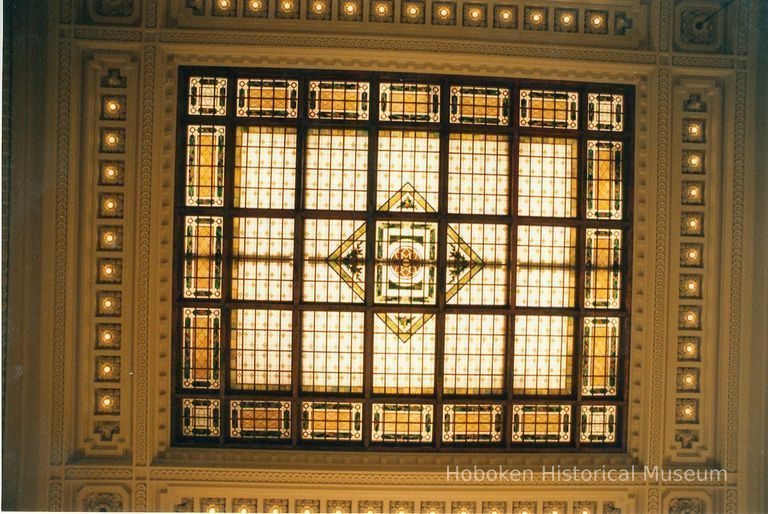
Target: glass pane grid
(294, 288)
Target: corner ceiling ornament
(405, 262)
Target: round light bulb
(110, 204)
(256, 5)
(443, 12)
(275, 510)
(107, 303)
(108, 269)
(307, 511)
(106, 401)
(597, 21)
(585, 511)
(381, 9)
(224, 4)
(351, 8)
(691, 285)
(693, 129)
(505, 15)
(287, 6)
(688, 379)
(212, 509)
(107, 369)
(319, 7)
(111, 172)
(113, 106)
(693, 160)
(109, 237)
(693, 223)
(692, 254)
(555, 512)
(474, 13)
(690, 316)
(566, 19)
(338, 511)
(689, 348)
(413, 10)
(370, 511)
(693, 192)
(111, 139)
(243, 510)
(536, 17)
(106, 336)
(687, 411)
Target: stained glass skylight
(372, 260)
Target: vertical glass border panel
(478, 174)
(547, 179)
(205, 166)
(262, 267)
(332, 421)
(408, 172)
(267, 98)
(334, 260)
(261, 349)
(543, 359)
(546, 266)
(332, 352)
(541, 423)
(403, 367)
(479, 105)
(540, 108)
(598, 424)
(331, 100)
(269, 419)
(466, 423)
(600, 350)
(336, 169)
(409, 102)
(201, 347)
(402, 423)
(474, 354)
(605, 112)
(207, 96)
(602, 275)
(265, 168)
(604, 180)
(203, 247)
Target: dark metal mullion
(298, 268)
(370, 248)
(442, 262)
(227, 262)
(509, 372)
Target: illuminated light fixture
(107, 303)
(350, 8)
(109, 237)
(108, 269)
(110, 205)
(690, 317)
(223, 4)
(536, 17)
(106, 369)
(597, 21)
(566, 19)
(688, 410)
(692, 254)
(693, 160)
(110, 171)
(319, 6)
(106, 336)
(338, 511)
(243, 509)
(474, 14)
(506, 15)
(111, 139)
(688, 379)
(693, 192)
(690, 348)
(413, 10)
(256, 5)
(113, 106)
(307, 511)
(691, 285)
(287, 6)
(381, 9)
(106, 401)
(443, 12)
(275, 510)
(694, 129)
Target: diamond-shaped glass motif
(405, 264)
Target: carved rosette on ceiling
(112, 12)
(102, 502)
(700, 26)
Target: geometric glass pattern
(546, 266)
(265, 167)
(604, 179)
(267, 98)
(339, 100)
(409, 102)
(605, 112)
(541, 423)
(479, 105)
(478, 180)
(472, 423)
(550, 109)
(261, 349)
(547, 177)
(374, 261)
(543, 355)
